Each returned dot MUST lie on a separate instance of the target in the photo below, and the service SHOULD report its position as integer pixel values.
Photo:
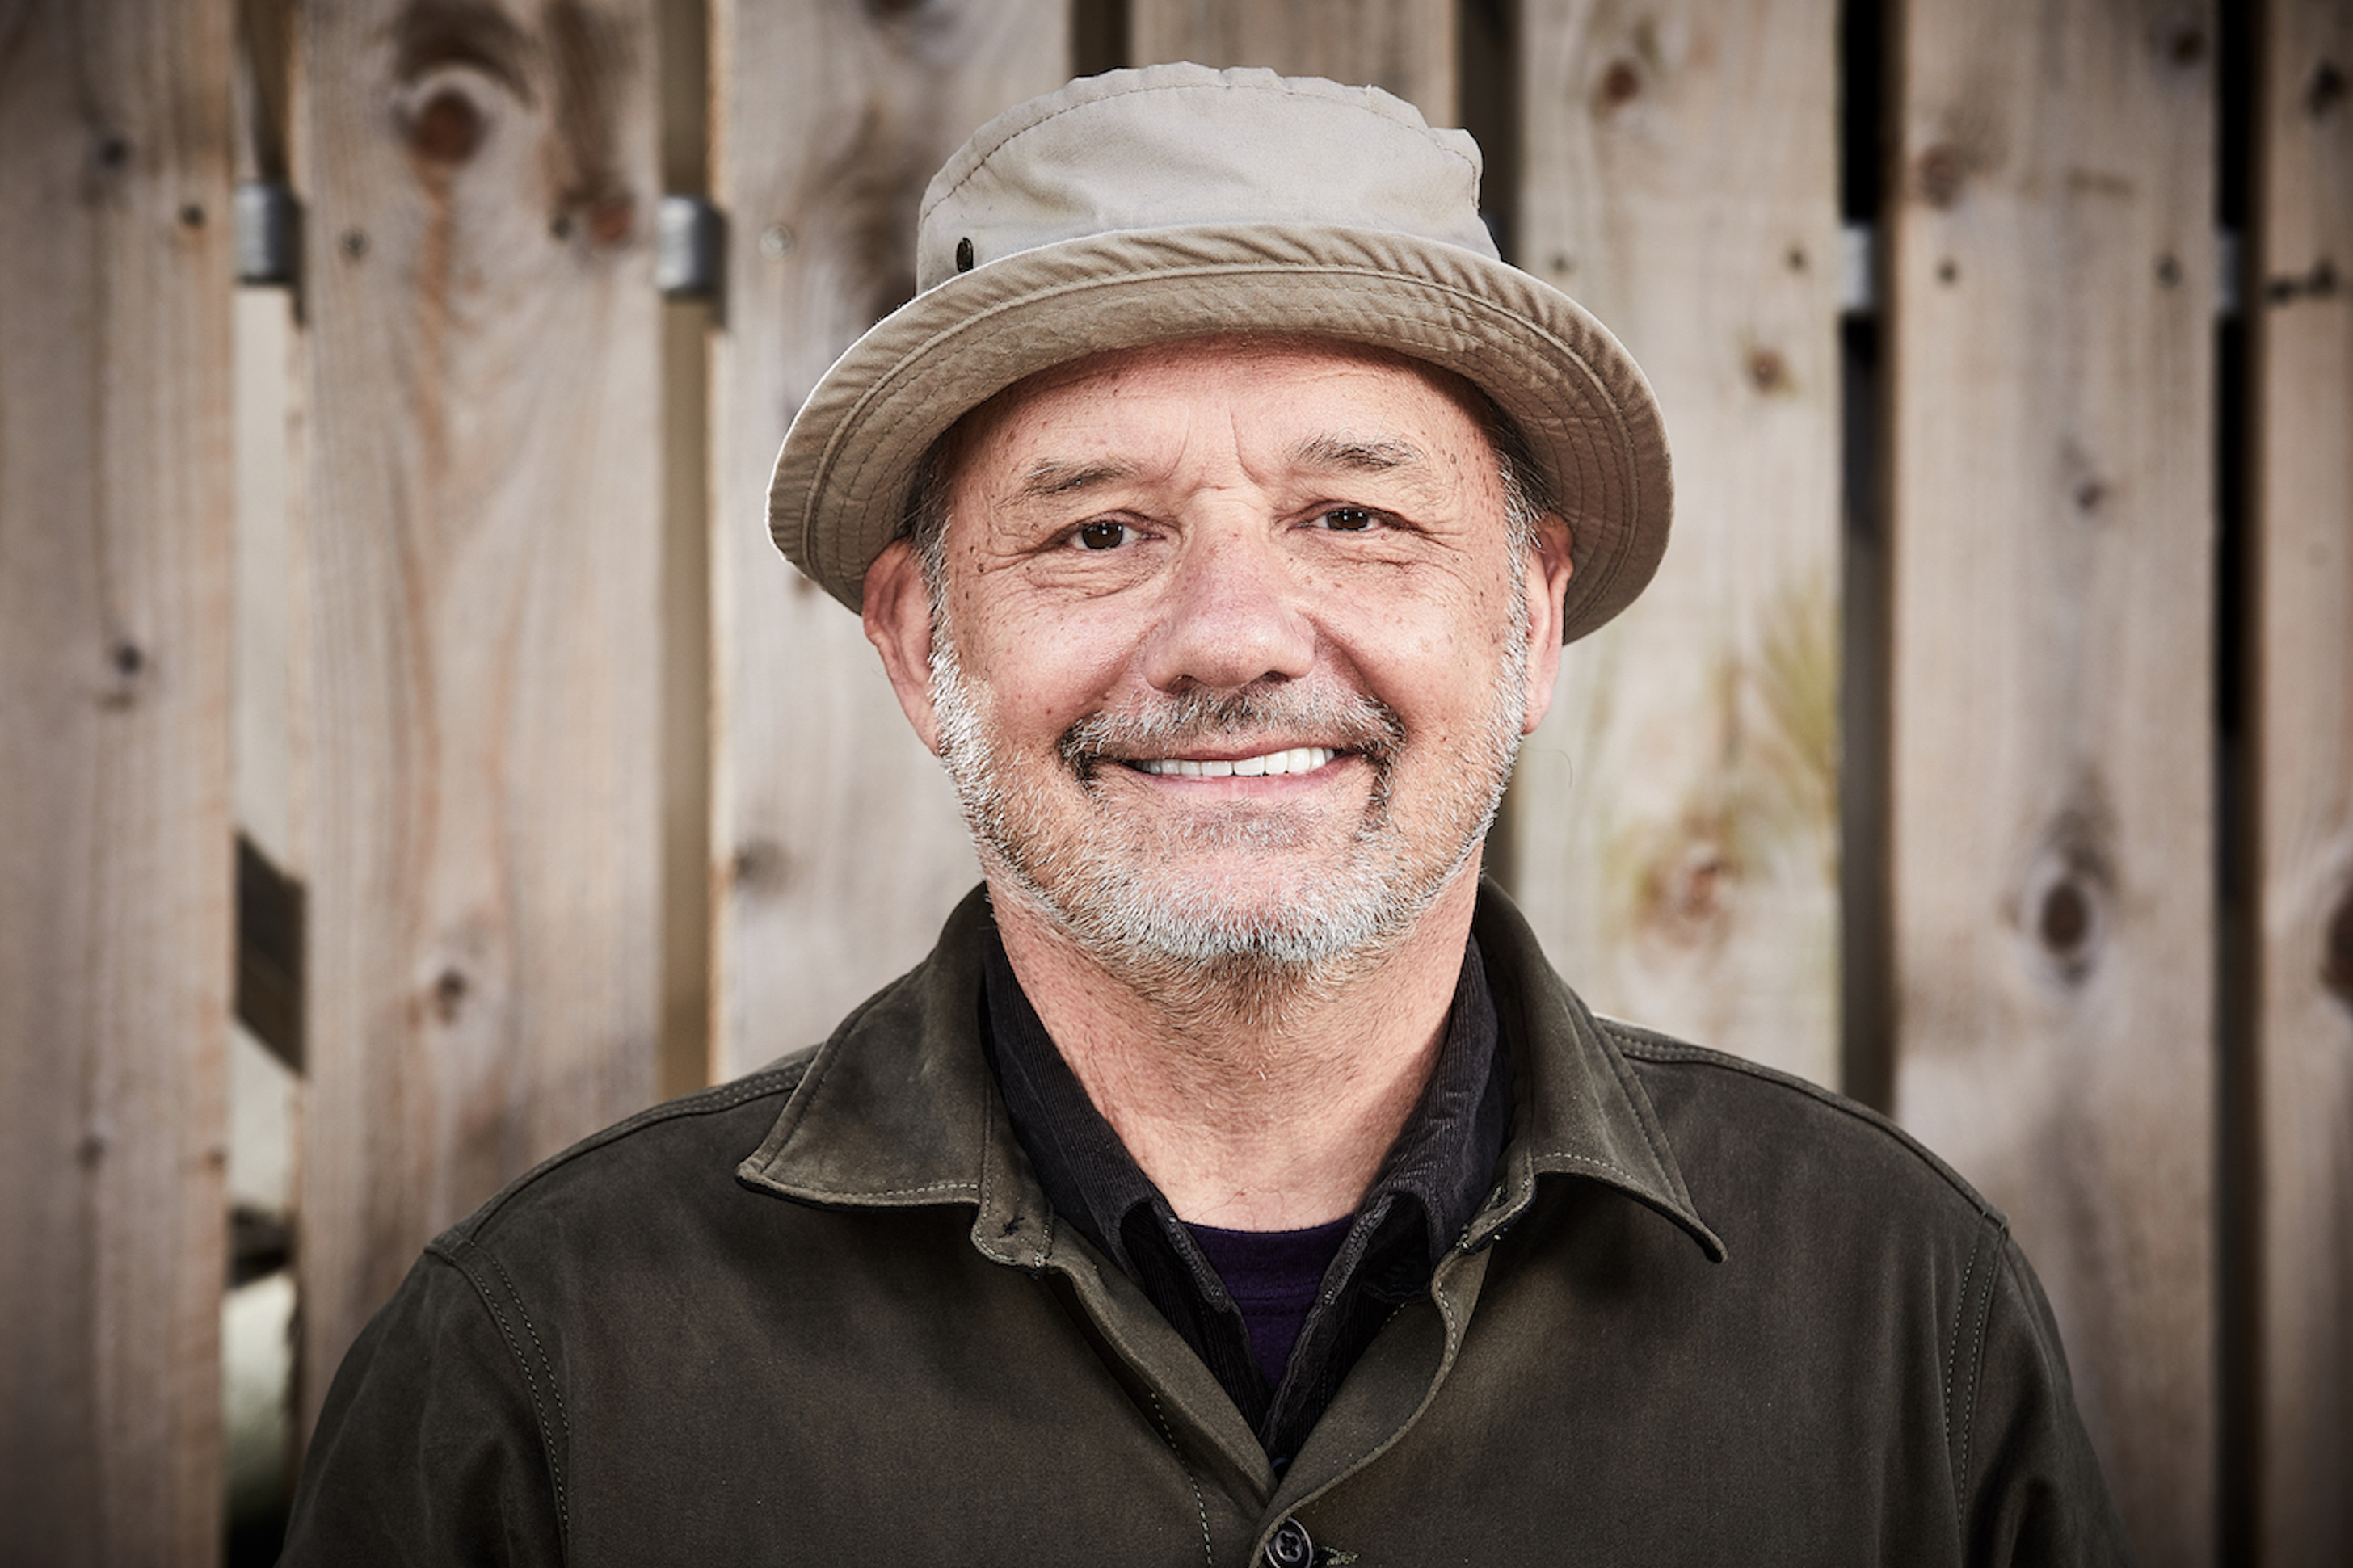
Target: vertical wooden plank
(2303, 312)
(1674, 833)
(836, 845)
(482, 560)
(115, 257)
(1406, 46)
(2053, 419)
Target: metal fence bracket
(689, 233)
(269, 236)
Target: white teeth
(1297, 760)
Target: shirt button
(1289, 1546)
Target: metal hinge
(689, 236)
(269, 236)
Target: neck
(1253, 1103)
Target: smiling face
(1232, 653)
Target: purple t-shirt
(1272, 1276)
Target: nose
(1232, 613)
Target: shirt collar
(1443, 1162)
(899, 1108)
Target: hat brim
(839, 491)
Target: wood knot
(2337, 949)
(2326, 90)
(1948, 271)
(447, 131)
(449, 990)
(113, 153)
(2319, 284)
(126, 662)
(2168, 272)
(611, 218)
(2064, 923)
(89, 1153)
(1768, 371)
(761, 866)
(354, 244)
(2089, 494)
(192, 217)
(2066, 897)
(1938, 174)
(1620, 84)
(2186, 46)
(1684, 891)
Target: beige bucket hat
(1176, 202)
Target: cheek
(1043, 672)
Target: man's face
(1231, 655)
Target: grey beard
(1193, 950)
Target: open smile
(1293, 760)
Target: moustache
(1345, 720)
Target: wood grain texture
(837, 845)
(2302, 322)
(480, 556)
(1673, 829)
(115, 264)
(2051, 325)
(1407, 47)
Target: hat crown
(1177, 146)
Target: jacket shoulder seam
(452, 1249)
(781, 1079)
(1645, 1044)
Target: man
(1235, 1181)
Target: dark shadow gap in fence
(685, 1061)
(1098, 36)
(1866, 993)
(2237, 1097)
(1488, 86)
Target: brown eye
(1103, 535)
(1348, 520)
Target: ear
(1548, 570)
(897, 611)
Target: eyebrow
(1053, 478)
(1357, 454)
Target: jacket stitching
(1952, 1365)
(1977, 1364)
(907, 1191)
(530, 1384)
(711, 1102)
(1200, 1510)
(555, 1393)
(1641, 1045)
(1640, 1105)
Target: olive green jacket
(823, 1315)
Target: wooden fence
(1986, 745)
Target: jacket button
(1289, 1546)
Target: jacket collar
(898, 1108)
